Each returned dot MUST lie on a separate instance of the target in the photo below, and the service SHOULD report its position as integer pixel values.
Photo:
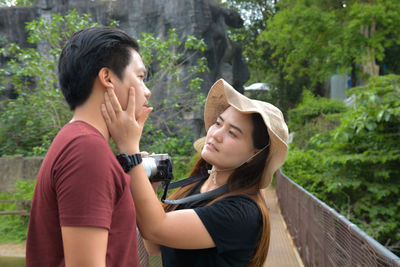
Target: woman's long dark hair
(246, 179)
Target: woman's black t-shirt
(234, 223)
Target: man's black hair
(86, 52)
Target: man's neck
(90, 113)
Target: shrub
(355, 168)
(314, 115)
(13, 228)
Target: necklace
(213, 171)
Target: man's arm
(84, 246)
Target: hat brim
(199, 144)
(222, 95)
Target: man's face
(133, 76)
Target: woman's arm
(151, 247)
(178, 229)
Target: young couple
(87, 202)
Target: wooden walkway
(282, 252)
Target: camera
(158, 167)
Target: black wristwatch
(129, 161)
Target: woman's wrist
(129, 149)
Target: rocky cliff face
(202, 18)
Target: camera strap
(197, 197)
(187, 181)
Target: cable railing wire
(322, 236)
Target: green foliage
(294, 45)
(296, 35)
(29, 123)
(314, 115)
(255, 15)
(315, 40)
(371, 25)
(305, 168)
(165, 130)
(170, 58)
(10, 3)
(354, 168)
(13, 228)
(376, 109)
(312, 107)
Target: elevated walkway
(282, 251)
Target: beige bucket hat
(199, 144)
(222, 95)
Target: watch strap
(129, 161)
(136, 159)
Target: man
(82, 212)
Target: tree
(258, 52)
(317, 39)
(372, 27)
(255, 14)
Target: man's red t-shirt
(81, 183)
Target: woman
(245, 144)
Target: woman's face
(229, 141)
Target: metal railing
(145, 259)
(322, 236)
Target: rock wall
(12, 30)
(202, 18)
(12, 23)
(16, 169)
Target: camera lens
(150, 166)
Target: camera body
(158, 167)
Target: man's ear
(105, 76)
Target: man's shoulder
(80, 132)
(79, 128)
(78, 138)
(81, 149)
